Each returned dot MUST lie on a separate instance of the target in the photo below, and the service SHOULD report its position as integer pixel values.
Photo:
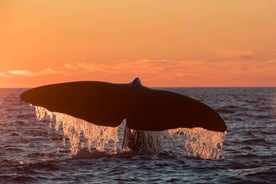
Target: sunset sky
(190, 43)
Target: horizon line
(167, 87)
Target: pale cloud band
(232, 53)
(2, 74)
(171, 67)
(190, 72)
(28, 73)
(139, 67)
(162, 72)
(150, 67)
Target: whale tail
(108, 104)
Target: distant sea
(29, 153)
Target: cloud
(139, 66)
(68, 66)
(28, 73)
(171, 70)
(244, 54)
(2, 74)
(233, 53)
(153, 70)
(162, 72)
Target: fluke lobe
(108, 104)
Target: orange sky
(165, 43)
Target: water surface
(30, 151)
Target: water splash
(143, 141)
(198, 142)
(81, 135)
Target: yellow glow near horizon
(166, 43)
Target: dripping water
(87, 138)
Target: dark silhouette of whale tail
(108, 104)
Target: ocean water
(33, 151)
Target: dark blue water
(30, 154)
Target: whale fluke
(107, 104)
